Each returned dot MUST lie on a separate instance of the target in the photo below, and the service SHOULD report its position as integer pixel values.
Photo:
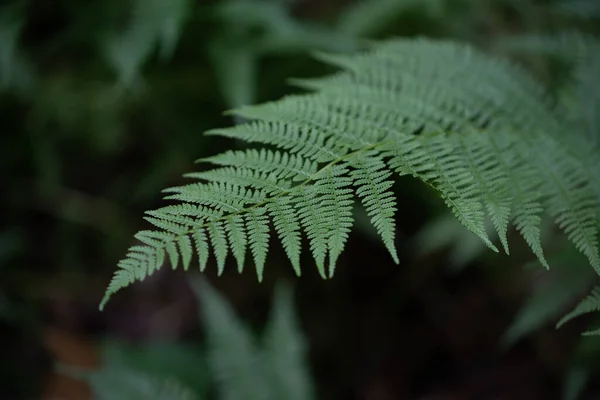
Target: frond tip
(478, 130)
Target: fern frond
(478, 130)
(590, 304)
(270, 369)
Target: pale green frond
(478, 130)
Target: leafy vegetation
(103, 104)
(480, 132)
(240, 367)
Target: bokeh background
(103, 104)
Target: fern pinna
(477, 129)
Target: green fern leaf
(478, 130)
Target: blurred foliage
(232, 359)
(242, 369)
(102, 105)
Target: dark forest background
(103, 104)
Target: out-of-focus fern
(253, 29)
(590, 304)
(155, 370)
(477, 129)
(445, 232)
(285, 349)
(577, 8)
(575, 382)
(152, 22)
(364, 17)
(15, 71)
(242, 369)
(551, 295)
